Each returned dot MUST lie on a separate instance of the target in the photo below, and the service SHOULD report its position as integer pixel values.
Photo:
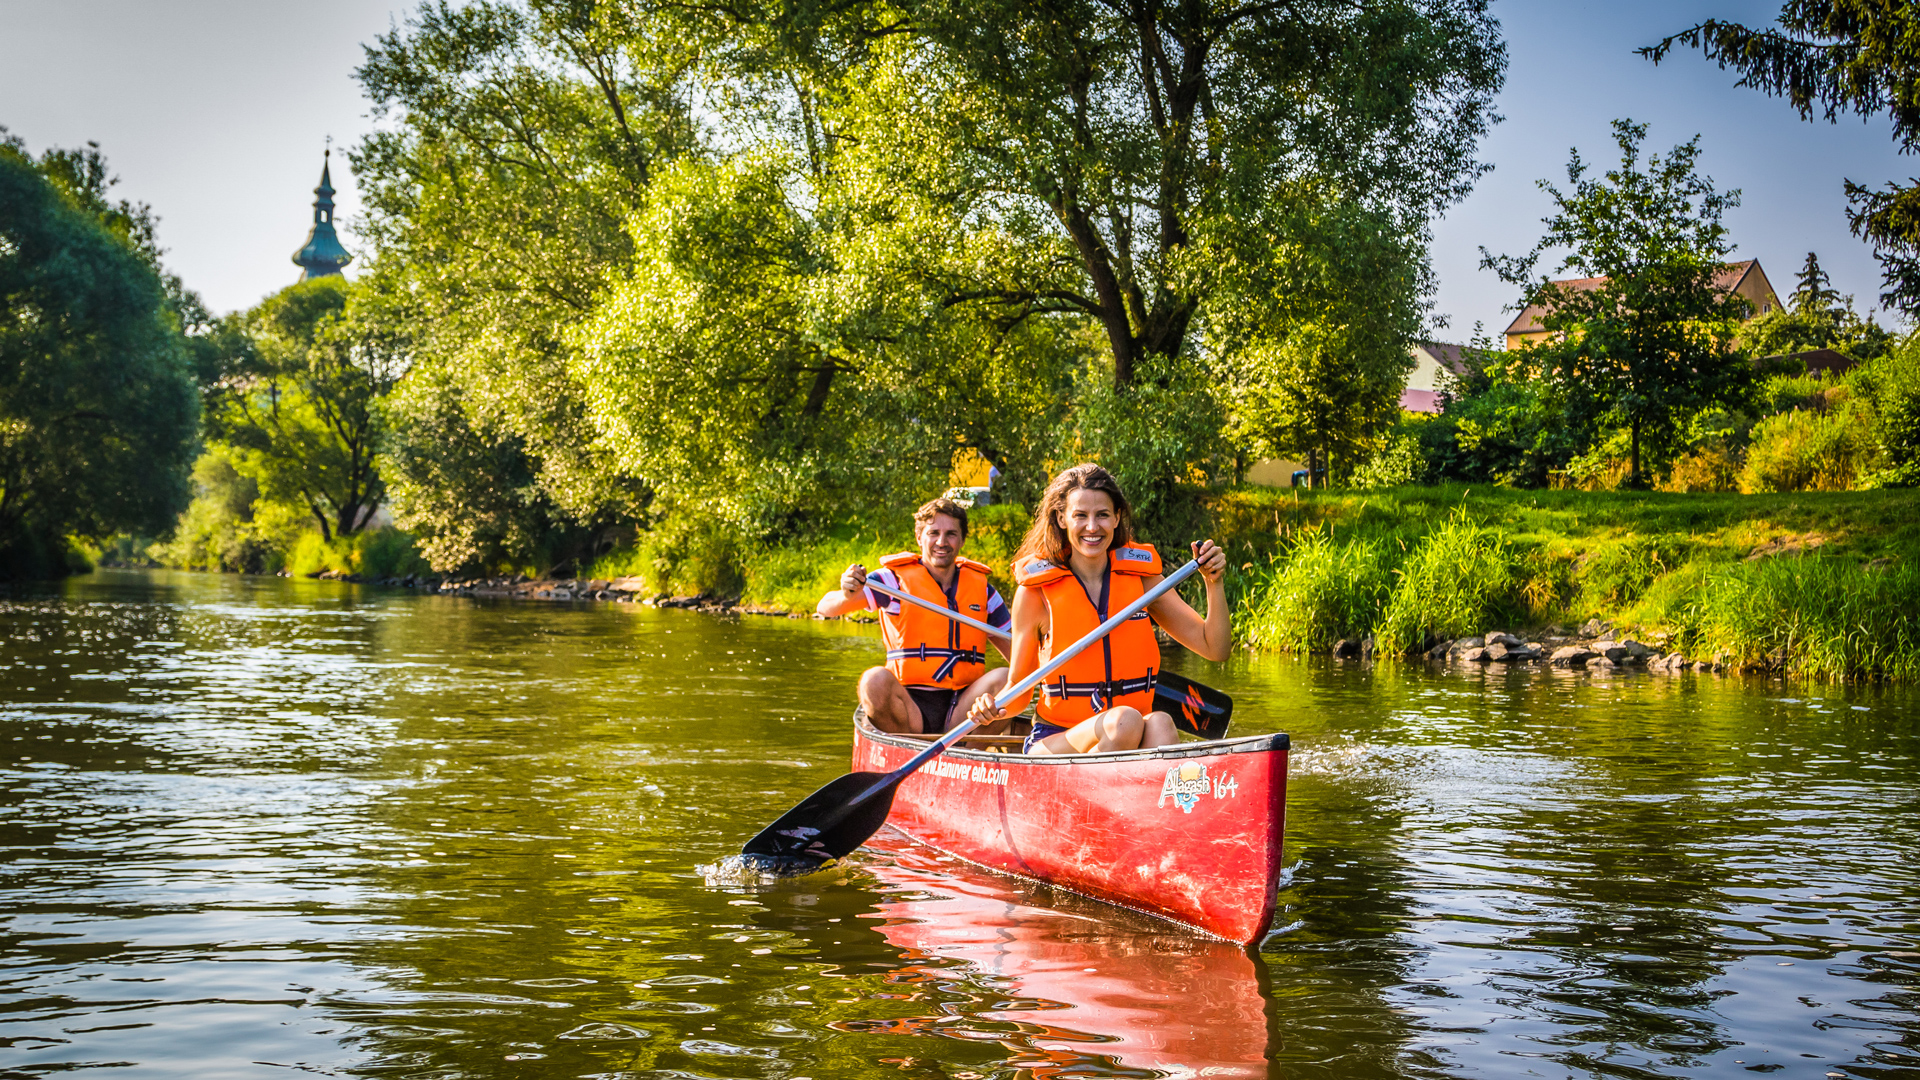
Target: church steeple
(322, 254)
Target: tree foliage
(775, 263)
(1816, 317)
(301, 399)
(1834, 57)
(1651, 340)
(97, 399)
(1315, 349)
(522, 137)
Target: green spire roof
(322, 254)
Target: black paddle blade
(829, 823)
(1197, 710)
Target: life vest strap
(953, 657)
(1101, 692)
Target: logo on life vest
(1134, 555)
(973, 607)
(1187, 783)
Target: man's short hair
(941, 505)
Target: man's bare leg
(887, 703)
(990, 683)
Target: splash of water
(747, 871)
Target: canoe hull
(1190, 833)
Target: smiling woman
(1079, 563)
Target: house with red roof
(1745, 278)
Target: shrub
(1321, 592)
(1398, 462)
(1892, 384)
(1808, 450)
(1455, 582)
(1713, 467)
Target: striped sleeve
(997, 613)
(883, 603)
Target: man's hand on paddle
(849, 597)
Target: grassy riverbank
(1823, 584)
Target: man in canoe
(1078, 563)
(936, 668)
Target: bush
(1713, 467)
(1457, 581)
(373, 553)
(1322, 591)
(1398, 462)
(1808, 450)
(1892, 384)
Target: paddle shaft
(963, 620)
(1005, 697)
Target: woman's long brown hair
(1046, 538)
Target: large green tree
(97, 398)
(521, 137)
(1652, 343)
(1834, 57)
(1153, 136)
(300, 401)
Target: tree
(301, 401)
(1316, 353)
(97, 402)
(1651, 342)
(1835, 56)
(1816, 317)
(522, 137)
(1150, 135)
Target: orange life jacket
(1120, 668)
(924, 649)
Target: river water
(256, 826)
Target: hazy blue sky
(216, 111)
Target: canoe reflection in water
(1103, 992)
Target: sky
(215, 113)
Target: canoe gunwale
(1245, 744)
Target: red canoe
(1189, 833)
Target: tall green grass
(1821, 617)
(1460, 580)
(1322, 591)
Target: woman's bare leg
(1118, 728)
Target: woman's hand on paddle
(983, 712)
(1212, 560)
(855, 578)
